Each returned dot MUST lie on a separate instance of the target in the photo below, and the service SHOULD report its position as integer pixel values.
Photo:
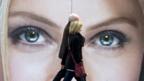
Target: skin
(41, 63)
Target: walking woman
(75, 44)
(72, 42)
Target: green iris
(106, 39)
(31, 36)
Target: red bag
(79, 67)
(79, 70)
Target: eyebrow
(34, 17)
(114, 21)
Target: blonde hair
(4, 7)
(75, 26)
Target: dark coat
(76, 42)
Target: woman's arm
(64, 41)
(64, 56)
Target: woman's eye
(29, 35)
(109, 39)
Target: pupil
(31, 36)
(106, 40)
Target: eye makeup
(30, 35)
(21, 21)
(109, 39)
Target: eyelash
(120, 39)
(20, 31)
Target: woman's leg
(60, 75)
(80, 78)
(68, 76)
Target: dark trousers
(67, 75)
(60, 75)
